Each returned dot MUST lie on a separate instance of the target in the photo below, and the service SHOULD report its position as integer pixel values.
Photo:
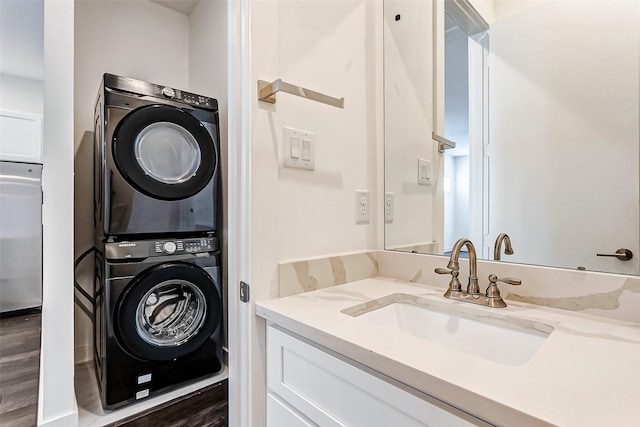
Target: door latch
(244, 291)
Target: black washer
(127, 311)
(125, 157)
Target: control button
(169, 247)
(168, 92)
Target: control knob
(169, 247)
(168, 92)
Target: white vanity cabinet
(307, 386)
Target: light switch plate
(425, 171)
(298, 149)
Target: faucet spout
(497, 247)
(472, 286)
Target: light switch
(295, 148)
(298, 149)
(424, 172)
(306, 149)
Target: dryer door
(164, 152)
(168, 311)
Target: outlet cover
(388, 207)
(362, 206)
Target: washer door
(164, 152)
(168, 311)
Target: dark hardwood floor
(19, 375)
(19, 370)
(205, 408)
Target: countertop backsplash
(601, 294)
(308, 275)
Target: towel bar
(267, 93)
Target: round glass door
(171, 313)
(167, 152)
(164, 152)
(168, 311)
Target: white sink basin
(471, 330)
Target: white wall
(21, 94)
(456, 125)
(408, 108)
(208, 76)
(504, 8)
(21, 55)
(449, 203)
(208, 56)
(22, 38)
(132, 38)
(56, 398)
(456, 90)
(461, 191)
(564, 133)
(331, 48)
(486, 8)
(456, 222)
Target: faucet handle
(507, 280)
(493, 293)
(454, 284)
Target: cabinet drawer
(279, 413)
(329, 391)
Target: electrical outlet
(388, 207)
(362, 206)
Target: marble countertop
(584, 374)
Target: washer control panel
(169, 247)
(189, 246)
(124, 251)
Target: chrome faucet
(490, 298)
(497, 247)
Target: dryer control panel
(140, 87)
(152, 248)
(186, 97)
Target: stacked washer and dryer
(158, 222)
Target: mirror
(544, 110)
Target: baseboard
(68, 420)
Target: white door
(564, 134)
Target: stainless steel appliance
(20, 236)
